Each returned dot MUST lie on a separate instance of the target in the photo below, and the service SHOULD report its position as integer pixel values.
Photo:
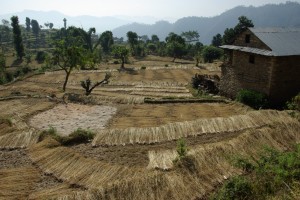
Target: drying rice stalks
(73, 168)
(209, 167)
(17, 183)
(19, 139)
(174, 131)
(161, 94)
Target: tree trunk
(66, 80)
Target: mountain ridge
(270, 15)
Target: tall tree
(19, 47)
(231, 33)
(191, 36)
(35, 29)
(27, 23)
(106, 40)
(122, 53)
(132, 40)
(154, 39)
(70, 53)
(68, 57)
(217, 40)
(211, 53)
(175, 46)
(51, 25)
(65, 23)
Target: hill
(271, 15)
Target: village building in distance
(266, 60)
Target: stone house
(263, 59)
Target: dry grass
(17, 183)
(174, 131)
(152, 115)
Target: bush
(211, 53)
(294, 104)
(252, 98)
(273, 173)
(78, 136)
(41, 56)
(236, 188)
(143, 67)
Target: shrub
(143, 67)
(50, 132)
(181, 148)
(211, 53)
(294, 104)
(236, 188)
(41, 56)
(78, 136)
(252, 98)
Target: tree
(47, 24)
(217, 40)
(132, 40)
(19, 47)
(231, 33)
(122, 53)
(154, 39)
(175, 46)
(87, 84)
(106, 40)
(68, 55)
(50, 25)
(190, 36)
(27, 22)
(210, 53)
(65, 23)
(35, 29)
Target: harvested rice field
(134, 145)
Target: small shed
(263, 59)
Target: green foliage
(143, 67)
(6, 120)
(50, 132)
(294, 104)
(19, 47)
(27, 23)
(41, 56)
(181, 148)
(106, 40)
(231, 33)
(236, 188)
(76, 137)
(132, 40)
(271, 174)
(2, 62)
(211, 53)
(191, 36)
(120, 52)
(217, 40)
(176, 46)
(252, 98)
(69, 54)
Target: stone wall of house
(255, 42)
(285, 82)
(241, 74)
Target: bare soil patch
(66, 118)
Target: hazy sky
(155, 8)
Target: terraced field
(132, 153)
